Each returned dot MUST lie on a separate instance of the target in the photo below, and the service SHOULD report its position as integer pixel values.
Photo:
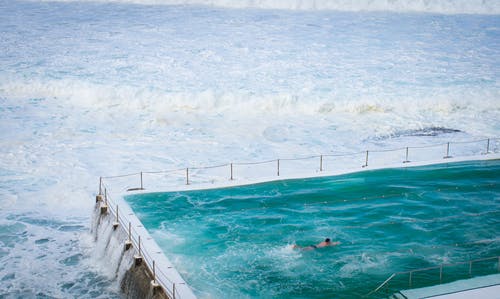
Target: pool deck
(487, 287)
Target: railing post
(187, 176)
(278, 167)
(116, 223)
(128, 243)
(470, 268)
(440, 274)
(130, 231)
(154, 272)
(173, 290)
(366, 160)
(410, 279)
(154, 284)
(321, 163)
(142, 188)
(104, 207)
(139, 245)
(487, 147)
(406, 157)
(231, 171)
(100, 185)
(99, 196)
(447, 151)
(138, 257)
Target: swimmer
(327, 242)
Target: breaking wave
(146, 99)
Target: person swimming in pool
(327, 242)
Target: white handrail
(382, 284)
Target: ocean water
(237, 242)
(93, 88)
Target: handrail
(382, 284)
(209, 167)
(388, 150)
(320, 165)
(254, 163)
(470, 262)
(120, 176)
(344, 154)
(300, 158)
(163, 171)
(447, 265)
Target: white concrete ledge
(484, 287)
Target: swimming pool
(237, 242)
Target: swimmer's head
(327, 240)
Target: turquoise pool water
(236, 242)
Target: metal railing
(320, 164)
(441, 268)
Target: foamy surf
(95, 88)
(439, 6)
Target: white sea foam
(90, 89)
(437, 6)
(119, 97)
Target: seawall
(115, 247)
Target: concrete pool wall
(141, 268)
